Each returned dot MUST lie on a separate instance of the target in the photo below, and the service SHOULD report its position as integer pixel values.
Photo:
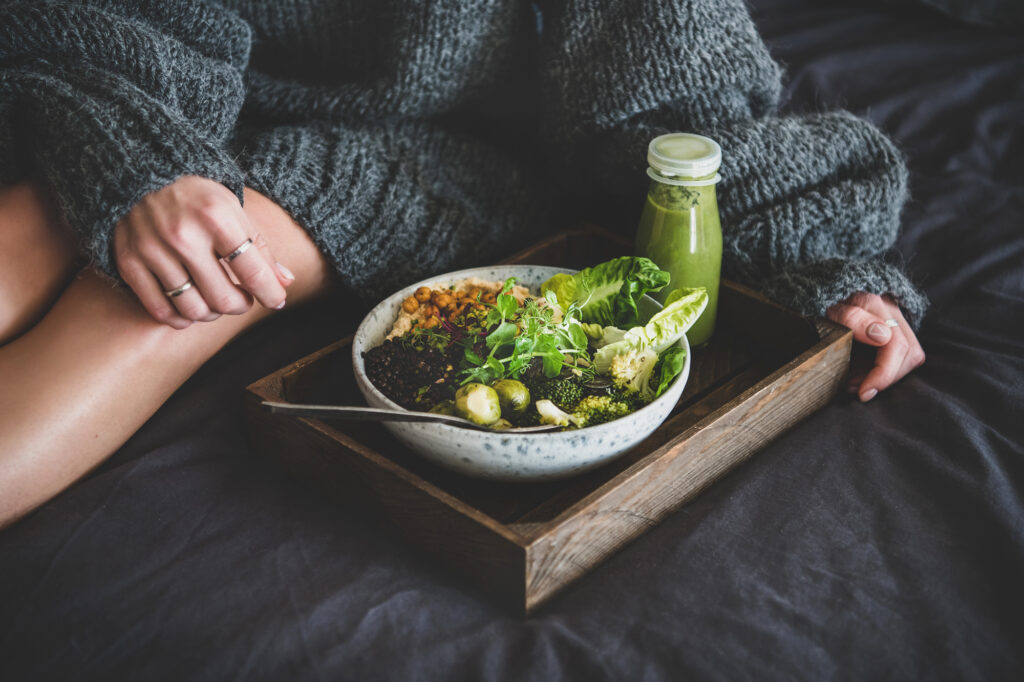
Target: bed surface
(872, 541)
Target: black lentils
(415, 378)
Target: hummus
(407, 320)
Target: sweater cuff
(102, 145)
(813, 288)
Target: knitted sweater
(411, 137)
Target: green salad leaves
(515, 335)
(608, 293)
(596, 308)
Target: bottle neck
(681, 193)
(684, 180)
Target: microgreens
(515, 335)
(421, 338)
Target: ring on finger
(178, 291)
(891, 323)
(242, 248)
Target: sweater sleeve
(615, 73)
(811, 210)
(108, 100)
(808, 204)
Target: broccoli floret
(564, 390)
(598, 409)
(631, 371)
(550, 414)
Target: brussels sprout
(513, 396)
(478, 403)
(444, 407)
(501, 424)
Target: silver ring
(891, 323)
(242, 248)
(178, 291)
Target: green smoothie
(679, 226)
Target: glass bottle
(679, 228)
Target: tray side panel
(488, 556)
(655, 486)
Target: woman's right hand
(176, 238)
(877, 321)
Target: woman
(222, 159)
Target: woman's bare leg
(38, 257)
(79, 383)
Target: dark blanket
(873, 541)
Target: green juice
(681, 232)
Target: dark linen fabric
(878, 541)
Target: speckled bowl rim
(599, 429)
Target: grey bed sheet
(878, 541)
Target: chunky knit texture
(412, 137)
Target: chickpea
(490, 298)
(431, 322)
(473, 293)
(410, 305)
(430, 311)
(442, 299)
(422, 294)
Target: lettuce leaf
(608, 293)
(663, 330)
(670, 364)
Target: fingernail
(868, 395)
(279, 305)
(878, 332)
(288, 273)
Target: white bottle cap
(684, 154)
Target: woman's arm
(125, 110)
(809, 203)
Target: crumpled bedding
(873, 541)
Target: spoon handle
(376, 414)
(357, 413)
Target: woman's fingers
(889, 363)
(218, 291)
(178, 286)
(255, 273)
(193, 239)
(150, 293)
(905, 356)
(872, 318)
(868, 328)
(284, 275)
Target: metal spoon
(376, 414)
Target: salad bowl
(501, 455)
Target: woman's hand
(877, 321)
(169, 250)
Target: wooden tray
(766, 369)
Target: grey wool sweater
(410, 138)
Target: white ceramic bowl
(502, 455)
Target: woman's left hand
(877, 321)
